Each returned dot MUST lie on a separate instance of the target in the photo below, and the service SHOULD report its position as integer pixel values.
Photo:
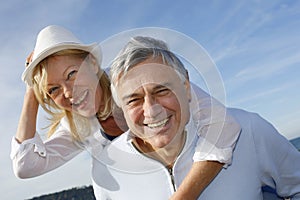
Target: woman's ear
(188, 85)
(188, 89)
(94, 64)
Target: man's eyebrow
(130, 96)
(162, 85)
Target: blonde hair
(57, 113)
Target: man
(152, 158)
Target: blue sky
(254, 44)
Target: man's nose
(151, 107)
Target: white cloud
(269, 68)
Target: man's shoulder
(243, 116)
(256, 127)
(240, 112)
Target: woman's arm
(27, 123)
(220, 132)
(215, 125)
(34, 157)
(198, 178)
(30, 155)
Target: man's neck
(166, 155)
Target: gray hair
(139, 49)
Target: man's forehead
(148, 73)
(145, 77)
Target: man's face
(155, 102)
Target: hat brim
(93, 48)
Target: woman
(65, 78)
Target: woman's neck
(111, 127)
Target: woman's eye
(72, 74)
(52, 90)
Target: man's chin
(159, 142)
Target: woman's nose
(68, 91)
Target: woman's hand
(27, 62)
(28, 59)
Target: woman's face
(73, 84)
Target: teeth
(79, 101)
(158, 124)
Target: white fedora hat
(52, 39)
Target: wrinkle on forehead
(149, 73)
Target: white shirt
(262, 157)
(34, 157)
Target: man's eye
(72, 75)
(163, 92)
(132, 101)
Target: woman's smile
(78, 101)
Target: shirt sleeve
(217, 127)
(279, 160)
(33, 157)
